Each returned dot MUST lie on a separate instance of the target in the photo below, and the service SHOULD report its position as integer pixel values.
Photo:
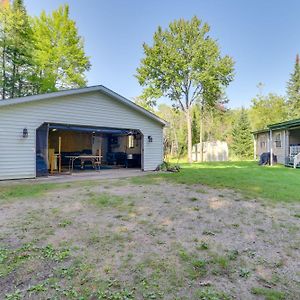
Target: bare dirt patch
(119, 240)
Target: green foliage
(203, 246)
(242, 142)
(14, 296)
(49, 252)
(40, 54)
(185, 64)
(64, 223)
(293, 91)
(148, 104)
(16, 44)
(59, 52)
(266, 110)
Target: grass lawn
(162, 236)
(277, 183)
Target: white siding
(17, 154)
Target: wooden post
(254, 145)
(59, 154)
(271, 147)
(284, 146)
(288, 142)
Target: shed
(91, 121)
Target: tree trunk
(189, 135)
(201, 134)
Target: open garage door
(72, 148)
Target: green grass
(277, 183)
(269, 294)
(106, 200)
(12, 191)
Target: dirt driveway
(125, 239)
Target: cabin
(281, 139)
(77, 130)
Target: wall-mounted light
(25, 133)
(150, 139)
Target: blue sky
(263, 38)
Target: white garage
(76, 130)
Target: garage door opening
(63, 149)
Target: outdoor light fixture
(150, 139)
(25, 133)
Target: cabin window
(278, 140)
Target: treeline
(39, 54)
(231, 125)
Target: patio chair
(296, 160)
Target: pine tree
(293, 91)
(242, 143)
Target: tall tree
(20, 52)
(184, 64)
(16, 46)
(293, 91)
(242, 142)
(6, 24)
(59, 54)
(266, 110)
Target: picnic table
(94, 159)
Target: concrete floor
(83, 175)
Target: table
(83, 158)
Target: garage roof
(97, 88)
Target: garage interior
(63, 149)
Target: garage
(80, 130)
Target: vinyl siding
(280, 152)
(17, 154)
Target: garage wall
(17, 154)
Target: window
(262, 144)
(278, 140)
(130, 141)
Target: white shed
(86, 122)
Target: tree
(184, 64)
(16, 47)
(145, 103)
(266, 110)
(242, 142)
(59, 53)
(175, 133)
(293, 91)
(20, 51)
(6, 21)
